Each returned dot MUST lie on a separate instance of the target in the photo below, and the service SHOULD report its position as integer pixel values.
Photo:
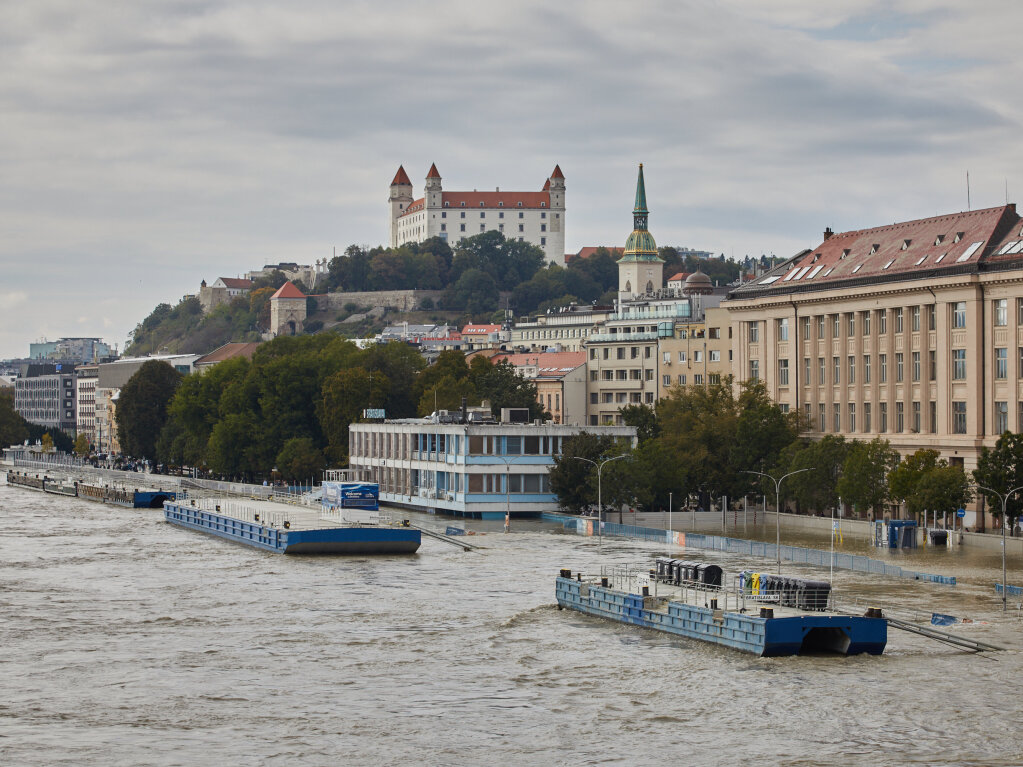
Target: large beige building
(912, 332)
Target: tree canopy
(142, 407)
(1001, 469)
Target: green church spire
(640, 246)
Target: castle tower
(400, 198)
(640, 269)
(288, 308)
(556, 238)
(433, 190)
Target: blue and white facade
(465, 469)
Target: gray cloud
(146, 146)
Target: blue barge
(691, 610)
(285, 529)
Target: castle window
(543, 240)
(483, 214)
(500, 204)
(521, 228)
(543, 205)
(447, 204)
(463, 228)
(543, 214)
(463, 214)
(443, 214)
(481, 203)
(520, 204)
(521, 214)
(501, 214)
(463, 203)
(520, 239)
(443, 227)
(483, 227)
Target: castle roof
(288, 290)
(401, 177)
(557, 172)
(434, 173)
(958, 243)
(547, 185)
(590, 250)
(236, 282)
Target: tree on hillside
(142, 407)
(506, 260)
(13, 429)
(475, 292)
(1001, 469)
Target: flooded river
(126, 641)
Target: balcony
(625, 337)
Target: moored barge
(757, 613)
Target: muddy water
(130, 642)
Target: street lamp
(1005, 500)
(600, 501)
(777, 513)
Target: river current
(127, 641)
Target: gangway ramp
(447, 539)
(955, 640)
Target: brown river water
(126, 641)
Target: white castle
(536, 217)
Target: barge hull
(331, 540)
(768, 637)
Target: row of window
(848, 320)
(500, 214)
(1001, 367)
(1000, 424)
(500, 204)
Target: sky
(147, 146)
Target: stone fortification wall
(399, 300)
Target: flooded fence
(742, 546)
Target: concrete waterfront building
(536, 217)
(86, 378)
(48, 399)
(912, 332)
(467, 469)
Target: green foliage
(81, 445)
(927, 483)
(574, 481)
(503, 387)
(13, 428)
(166, 327)
(817, 488)
(475, 292)
(344, 396)
(1001, 469)
(300, 460)
(644, 418)
(864, 479)
(426, 304)
(424, 266)
(142, 407)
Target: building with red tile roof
(589, 250)
(288, 308)
(226, 352)
(536, 217)
(909, 331)
(560, 379)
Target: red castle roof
(401, 177)
(288, 290)
(557, 172)
(433, 171)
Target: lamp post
(777, 513)
(507, 489)
(669, 511)
(1005, 501)
(600, 500)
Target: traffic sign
(961, 513)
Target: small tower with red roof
(400, 198)
(288, 308)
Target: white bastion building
(536, 217)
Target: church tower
(400, 198)
(640, 269)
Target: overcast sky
(146, 146)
